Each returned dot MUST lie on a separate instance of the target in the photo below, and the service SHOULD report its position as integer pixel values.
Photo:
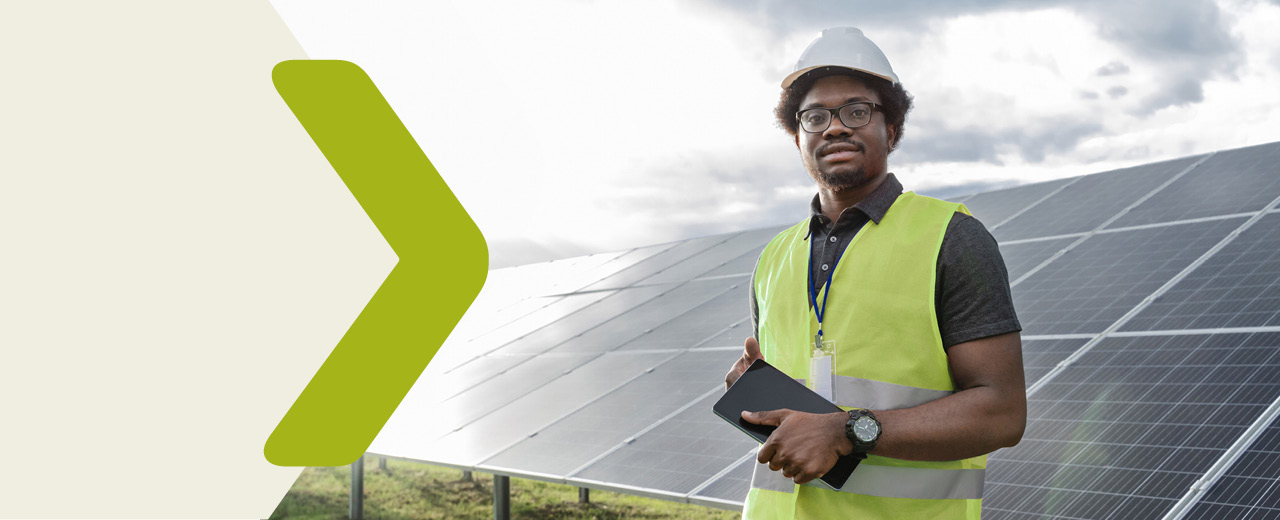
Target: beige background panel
(177, 258)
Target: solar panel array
(1149, 297)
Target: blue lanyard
(813, 293)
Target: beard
(837, 181)
(839, 177)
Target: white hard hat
(844, 47)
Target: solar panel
(576, 323)
(1097, 282)
(745, 263)
(733, 336)
(732, 486)
(1238, 287)
(698, 324)
(1021, 257)
(1229, 182)
(673, 255)
(643, 318)
(442, 384)
(1250, 488)
(1039, 356)
(1087, 203)
(1125, 431)
(747, 243)
(539, 312)
(571, 442)
(677, 455)
(426, 415)
(521, 412)
(993, 207)
(489, 393)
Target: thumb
(753, 349)
(769, 418)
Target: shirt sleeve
(972, 295)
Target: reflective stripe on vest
(854, 392)
(889, 481)
(889, 355)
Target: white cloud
(610, 125)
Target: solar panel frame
(1149, 439)
(1250, 488)
(597, 427)
(1228, 182)
(729, 488)
(994, 207)
(666, 259)
(647, 461)
(576, 323)
(744, 244)
(642, 319)
(1239, 286)
(1085, 205)
(1023, 256)
(535, 409)
(1040, 356)
(1100, 280)
(698, 324)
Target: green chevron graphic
(442, 265)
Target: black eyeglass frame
(835, 112)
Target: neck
(835, 200)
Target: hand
(749, 355)
(805, 446)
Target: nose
(836, 129)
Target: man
(893, 305)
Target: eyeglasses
(853, 115)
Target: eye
(813, 116)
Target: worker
(892, 305)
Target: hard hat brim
(791, 78)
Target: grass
(407, 490)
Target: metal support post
(466, 476)
(584, 495)
(501, 497)
(357, 489)
(382, 464)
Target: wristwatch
(863, 430)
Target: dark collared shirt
(972, 296)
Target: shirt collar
(874, 206)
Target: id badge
(821, 367)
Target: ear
(797, 138)
(893, 137)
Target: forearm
(987, 412)
(966, 424)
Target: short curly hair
(895, 101)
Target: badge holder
(822, 367)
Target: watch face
(866, 429)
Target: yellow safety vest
(889, 355)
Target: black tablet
(763, 387)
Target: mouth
(842, 151)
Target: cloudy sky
(570, 126)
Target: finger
(769, 418)
(804, 477)
(765, 455)
(732, 376)
(753, 349)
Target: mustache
(840, 143)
